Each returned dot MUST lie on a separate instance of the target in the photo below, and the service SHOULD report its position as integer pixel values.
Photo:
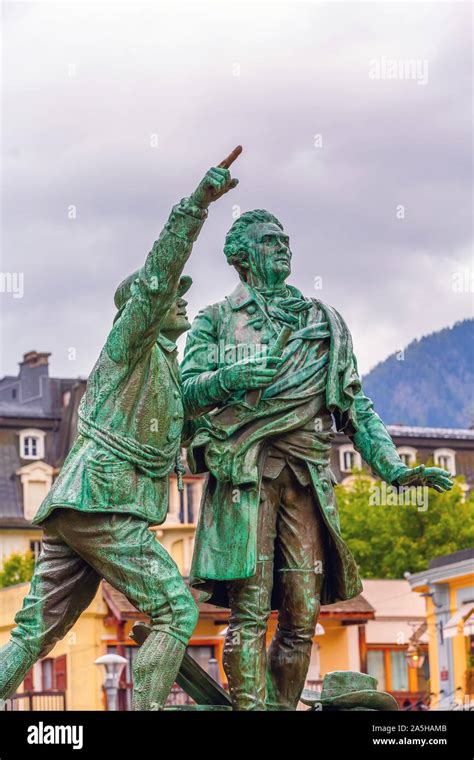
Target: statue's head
(176, 320)
(259, 249)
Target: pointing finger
(227, 162)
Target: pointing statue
(114, 483)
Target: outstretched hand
(433, 477)
(217, 181)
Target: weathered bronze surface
(114, 482)
(269, 534)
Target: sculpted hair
(236, 239)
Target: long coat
(226, 536)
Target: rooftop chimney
(35, 358)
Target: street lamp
(114, 665)
(415, 658)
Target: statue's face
(176, 321)
(268, 254)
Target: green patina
(262, 427)
(114, 482)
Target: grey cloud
(85, 140)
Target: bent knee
(300, 622)
(189, 615)
(184, 614)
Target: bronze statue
(266, 373)
(273, 371)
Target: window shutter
(28, 681)
(60, 673)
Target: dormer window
(408, 455)
(445, 458)
(32, 444)
(349, 459)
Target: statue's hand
(247, 374)
(217, 181)
(214, 185)
(433, 477)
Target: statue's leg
(300, 556)
(63, 585)
(244, 656)
(125, 552)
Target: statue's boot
(15, 663)
(288, 662)
(155, 669)
(289, 654)
(245, 657)
(244, 665)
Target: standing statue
(114, 482)
(274, 371)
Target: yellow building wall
(334, 648)
(17, 542)
(435, 686)
(459, 642)
(82, 645)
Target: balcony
(32, 701)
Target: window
(399, 670)
(202, 655)
(47, 675)
(32, 444)
(390, 667)
(35, 548)
(408, 455)
(423, 675)
(36, 479)
(376, 666)
(445, 458)
(349, 459)
(30, 447)
(187, 503)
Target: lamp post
(114, 665)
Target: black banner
(370, 734)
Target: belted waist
(156, 463)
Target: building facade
(399, 622)
(447, 587)
(450, 448)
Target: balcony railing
(31, 701)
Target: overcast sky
(378, 205)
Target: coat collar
(243, 295)
(240, 297)
(166, 344)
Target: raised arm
(154, 289)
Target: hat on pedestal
(349, 690)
